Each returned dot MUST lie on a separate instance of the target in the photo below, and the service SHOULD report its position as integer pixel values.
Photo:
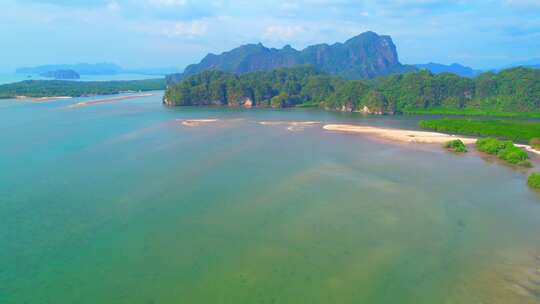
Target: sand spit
(407, 136)
(528, 148)
(107, 100)
(291, 125)
(195, 122)
(42, 99)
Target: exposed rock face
(349, 107)
(367, 55)
(61, 74)
(367, 110)
(248, 103)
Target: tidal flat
(120, 203)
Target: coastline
(408, 136)
(400, 135)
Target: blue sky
(174, 33)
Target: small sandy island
(291, 125)
(407, 136)
(107, 100)
(42, 99)
(195, 122)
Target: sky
(174, 33)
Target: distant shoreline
(108, 100)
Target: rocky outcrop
(365, 56)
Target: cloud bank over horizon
(174, 33)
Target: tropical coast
(410, 136)
(399, 135)
(178, 151)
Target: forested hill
(48, 88)
(365, 56)
(516, 90)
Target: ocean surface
(121, 203)
(13, 77)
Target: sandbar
(409, 136)
(107, 100)
(291, 125)
(400, 135)
(195, 122)
(42, 99)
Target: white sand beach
(407, 136)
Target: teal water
(119, 203)
(13, 77)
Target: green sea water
(121, 203)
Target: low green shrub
(492, 145)
(514, 130)
(456, 145)
(534, 180)
(513, 155)
(504, 150)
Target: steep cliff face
(365, 56)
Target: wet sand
(195, 122)
(407, 136)
(291, 125)
(42, 99)
(107, 100)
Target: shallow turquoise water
(119, 203)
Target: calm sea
(119, 203)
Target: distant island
(80, 68)
(49, 88)
(61, 74)
(533, 63)
(455, 68)
(513, 90)
(365, 56)
(93, 69)
(363, 74)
